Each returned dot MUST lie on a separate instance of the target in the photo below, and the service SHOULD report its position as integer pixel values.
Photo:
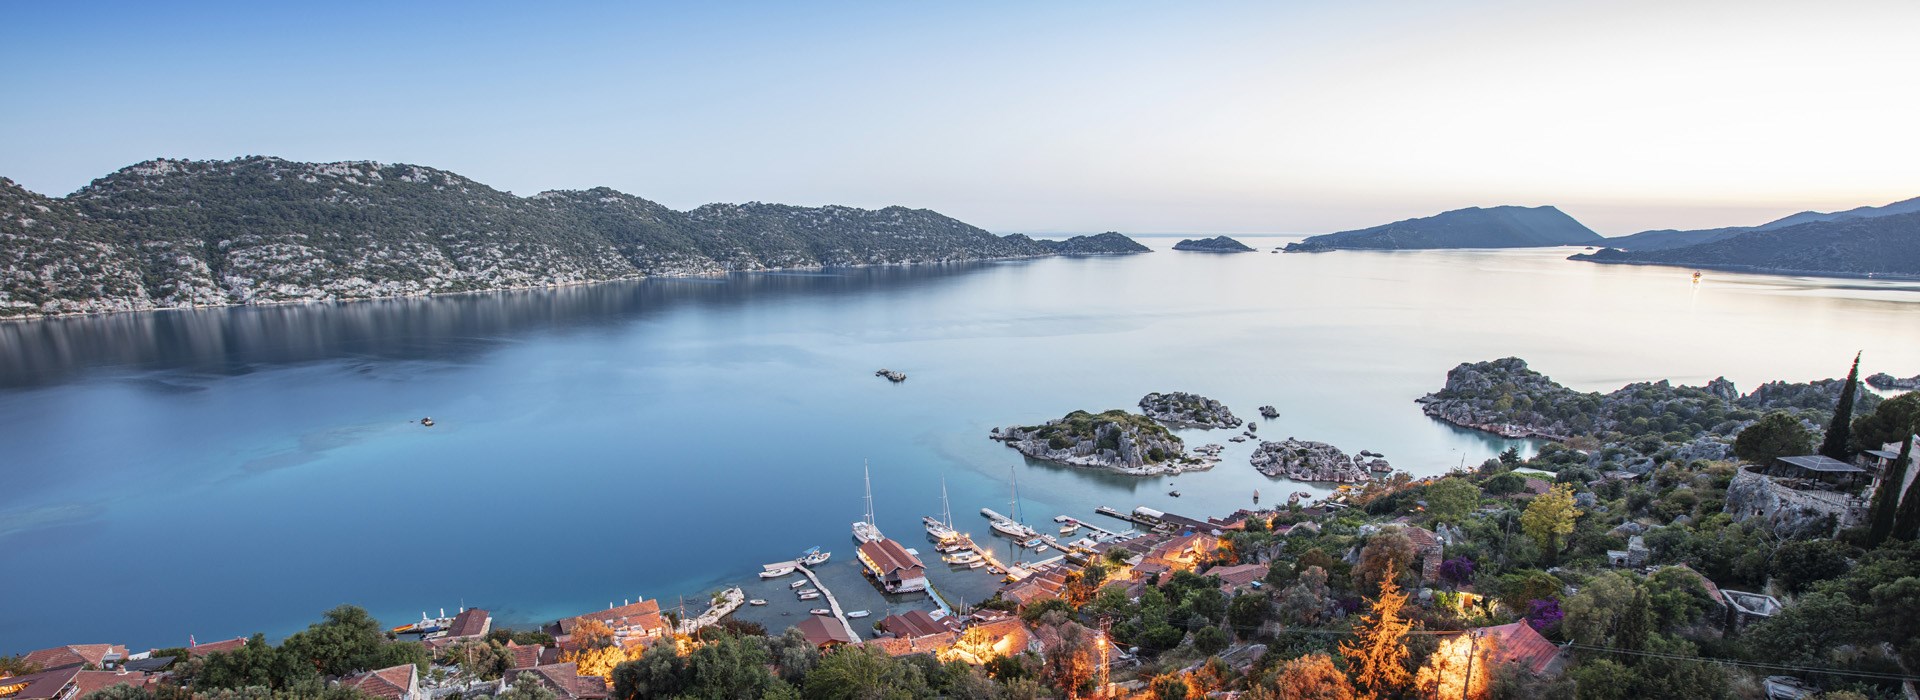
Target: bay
(219, 472)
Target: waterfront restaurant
(893, 566)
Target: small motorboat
(805, 591)
(1032, 543)
(1174, 493)
(1069, 528)
(857, 613)
(814, 557)
(428, 421)
(797, 584)
(820, 611)
(976, 565)
(776, 573)
(961, 558)
(1040, 548)
(810, 596)
(756, 601)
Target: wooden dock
(838, 614)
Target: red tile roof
(90, 681)
(474, 622)
(1518, 643)
(563, 679)
(644, 615)
(523, 656)
(822, 630)
(43, 685)
(1238, 576)
(75, 655)
(890, 557)
(391, 682)
(917, 623)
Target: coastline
(536, 287)
(1753, 270)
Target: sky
(1045, 117)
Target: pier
(1104, 533)
(729, 602)
(832, 604)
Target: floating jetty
(832, 604)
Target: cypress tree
(1835, 445)
(1886, 499)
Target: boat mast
(1016, 493)
(946, 509)
(869, 475)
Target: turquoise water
(221, 472)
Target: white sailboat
(942, 529)
(865, 531)
(1011, 526)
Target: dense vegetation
(1876, 246)
(171, 233)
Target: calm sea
(227, 471)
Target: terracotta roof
(925, 644)
(890, 556)
(644, 615)
(822, 630)
(917, 623)
(391, 682)
(1518, 643)
(523, 656)
(43, 685)
(1238, 576)
(90, 681)
(563, 679)
(75, 655)
(474, 622)
(211, 647)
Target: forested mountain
(1669, 238)
(1473, 227)
(176, 233)
(1873, 246)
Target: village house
(395, 683)
(990, 634)
(1239, 578)
(824, 632)
(529, 656)
(215, 647)
(918, 623)
(1518, 643)
(563, 680)
(471, 623)
(635, 623)
(94, 656)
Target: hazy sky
(1024, 116)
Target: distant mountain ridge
(1473, 227)
(180, 233)
(1873, 246)
(1669, 238)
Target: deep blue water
(220, 472)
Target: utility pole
(1466, 685)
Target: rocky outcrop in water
(1109, 243)
(1115, 440)
(1884, 381)
(1217, 244)
(1181, 409)
(1303, 460)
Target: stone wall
(1791, 512)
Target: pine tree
(1835, 445)
(1886, 498)
(1378, 654)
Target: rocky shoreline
(1116, 441)
(1183, 410)
(1305, 460)
(1884, 381)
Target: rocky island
(184, 233)
(1876, 246)
(1216, 244)
(1303, 460)
(1473, 227)
(1115, 440)
(1884, 381)
(1183, 410)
